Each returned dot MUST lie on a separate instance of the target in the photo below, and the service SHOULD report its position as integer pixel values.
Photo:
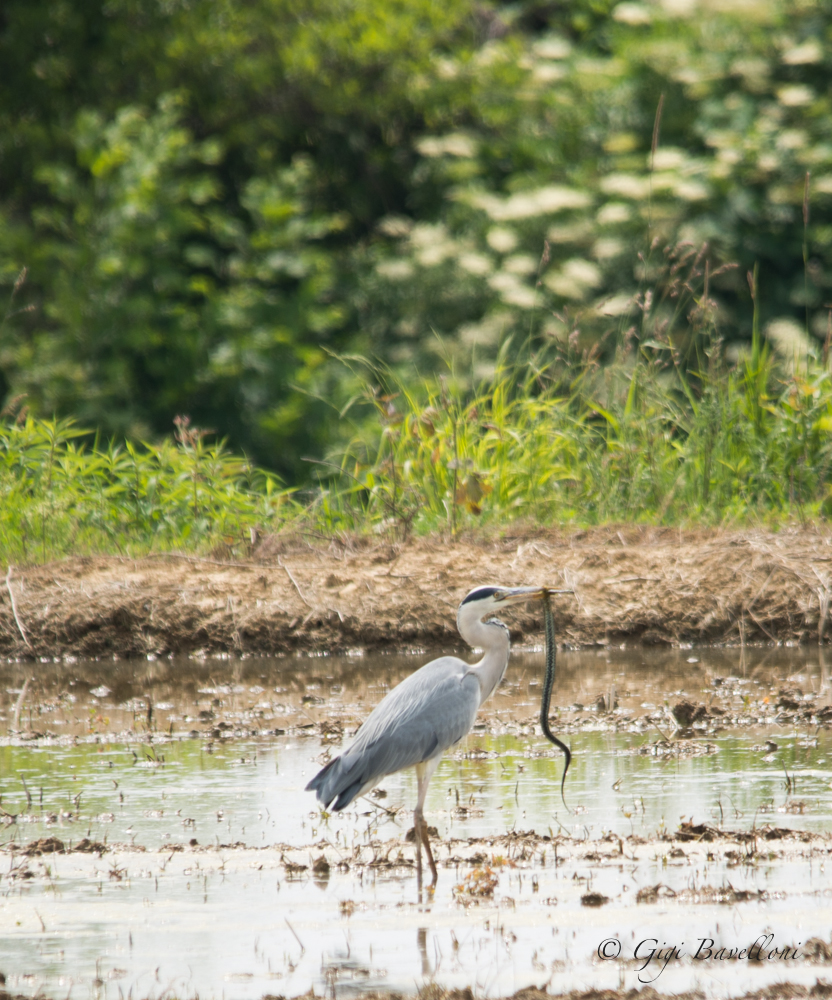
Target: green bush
(670, 431)
(211, 199)
(551, 437)
(62, 494)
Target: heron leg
(420, 829)
(428, 852)
(424, 772)
(417, 840)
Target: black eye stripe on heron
(480, 594)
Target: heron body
(427, 713)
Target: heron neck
(493, 639)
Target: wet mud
(780, 991)
(632, 585)
(155, 839)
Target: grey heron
(429, 712)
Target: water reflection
(422, 945)
(182, 695)
(198, 769)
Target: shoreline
(633, 586)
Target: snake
(548, 683)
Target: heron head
(485, 600)
(490, 599)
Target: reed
(664, 429)
(62, 492)
(669, 431)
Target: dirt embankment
(655, 586)
(779, 991)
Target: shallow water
(201, 803)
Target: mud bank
(780, 991)
(632, 585)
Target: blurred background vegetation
(302, 223)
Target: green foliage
(60, 496)
(657, 128)
(187, 211)
(212, 199)
(622, 445)
(652, 437)
(184, 305)
(551, 437)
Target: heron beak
(516, 595)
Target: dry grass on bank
(647, 585)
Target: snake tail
(548, 684)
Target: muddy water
(208, 879)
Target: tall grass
(61, 493)
(668, 432)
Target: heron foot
(422, 838)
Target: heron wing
(419, 719)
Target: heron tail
(336, 782)
(316, 784)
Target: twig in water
(823, 600)
(665, 738)
(18, 705)
(292, 929)
(14, 608)
(28, 793)
(285, 568)
(391, 813)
